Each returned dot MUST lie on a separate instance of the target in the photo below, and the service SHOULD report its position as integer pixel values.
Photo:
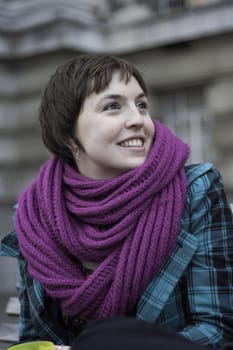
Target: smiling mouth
(132, 143)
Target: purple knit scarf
(128, 224)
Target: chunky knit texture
(128, 224)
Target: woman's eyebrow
(142, 94)
(111, 96)
(118, 96)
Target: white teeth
(132, 143)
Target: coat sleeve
(208, 280)
(9, 247)
(27, 330)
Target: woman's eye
(111, 106)
(142, 105)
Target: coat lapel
(160, 288)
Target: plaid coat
(192, 293)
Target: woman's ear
(72, 144)
(74, 148)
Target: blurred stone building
(184, 48)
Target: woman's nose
(134, 119)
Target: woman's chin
(135, 163)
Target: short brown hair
(66, 91)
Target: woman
(115, 223)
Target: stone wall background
(178, 44)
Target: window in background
(163, 7)
(184, 111)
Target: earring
(77, 154)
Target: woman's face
(114, 129)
